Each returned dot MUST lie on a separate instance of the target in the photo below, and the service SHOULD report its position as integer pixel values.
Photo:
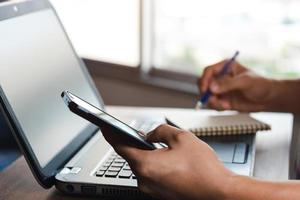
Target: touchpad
(226, 151)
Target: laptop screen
(37, 63)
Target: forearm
(285, 96)
(245, 188)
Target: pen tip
(237, 53)
(198, 105)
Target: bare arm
(245, 188)
(286, 96)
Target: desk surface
(271, 161)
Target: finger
(237, 68)
(166, 134)
(208, 74)
(228, 84)
(214, 71)
(218, 103)
(122, 146)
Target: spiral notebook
(237, 124)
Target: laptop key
(119, 160)
(117, 164)
(111, 158)
(107, 164)
(114, 169)
(125, 174)
(111, 174)
(126, 167)
(113, 155)
(103, 168)
(100, 173)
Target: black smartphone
(100, 118)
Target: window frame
(148, 70)
(156, 78)
(145, 72)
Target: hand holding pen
(225, 69)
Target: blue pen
(204, 99)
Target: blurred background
(187, 35)
(151, 52)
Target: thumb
(121, 144)
(166, 134)
(228, 84)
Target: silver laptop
(38, 62)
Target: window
(106, 30)
(184, 36)
(191, 34)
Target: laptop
(38, 62)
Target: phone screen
(107, 118)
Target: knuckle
(160, 127)
(207, 70)
(179, 136)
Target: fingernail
(214, 87)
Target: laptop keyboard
(115, 167)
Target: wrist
(236, 187)
(279, 93)
(274, 99)
(228, 187)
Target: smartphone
(100, 118)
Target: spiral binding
(230, 130)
